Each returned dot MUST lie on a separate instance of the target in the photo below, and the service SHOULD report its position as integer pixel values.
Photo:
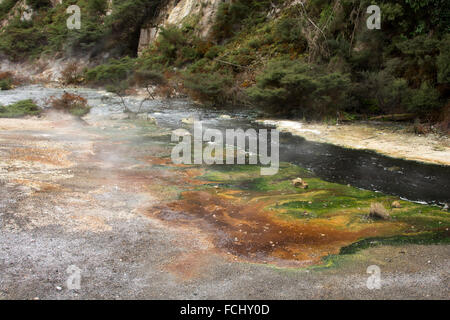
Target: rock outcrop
(175, 12)
(24, 10)
(300, 183)
(378, 211)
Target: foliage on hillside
(47, 33)
(5, 7)
(316, 59)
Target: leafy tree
(424, 101)
(299, 89)
(443, 62)
(208, 88)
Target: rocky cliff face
(175, 12)
(21, 8)
(24, 10)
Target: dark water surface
(364, 169)
(368, 170)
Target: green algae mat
(266, 219)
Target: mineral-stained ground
(104, 196)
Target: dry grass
(71, 103)
(71, 74)
(5, 75)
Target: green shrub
(296, 88)
(231, 17)
(178, 47)
(21, 40)
(254, 43)
(214, 51)
(5, 84)
(111, 72)
(47, 33)
(443, 61)
(387, 92)
(424, 101)
(289, 30)
(96, 7)
(210, 88)
(6, 80)
(6, 6)
(20, 109)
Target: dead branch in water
(121, 94)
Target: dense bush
(386, 93)
(21, 40)
(298, 89)
(208, 88)
(6, 6)
(111, 72)
(5, 84)
(20, 109)
(47, 33)
(97, 7)
(443, 61)
(233, 16)
(229, 17)
(424, 101)
(289, 30)
(315, 58)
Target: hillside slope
(313, 59)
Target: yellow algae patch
(284, 198)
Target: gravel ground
(66, 201)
